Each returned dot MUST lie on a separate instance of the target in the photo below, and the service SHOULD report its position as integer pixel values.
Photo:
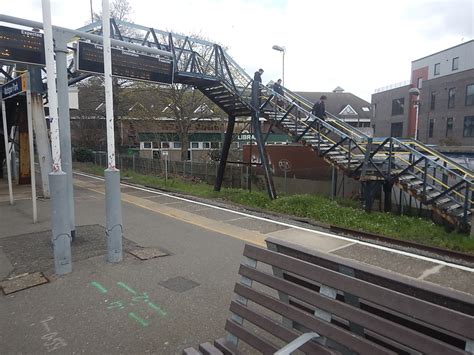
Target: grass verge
(341, 213)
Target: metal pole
(31, 147)
(57, 178)
(7, 153)
(113, 203)
(166, 168)
(64, 123)
(283, 76)
(416, 119)
(224, 153)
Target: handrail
(307, 113)
(339, 120)
(416, 152)
(465, 170)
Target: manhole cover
(147, 253)
(22, 282)
(179, 284)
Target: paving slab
(189, 206)
(256, 225)
(386, 260)
(454, 278)
(216, 214)
(32, 252)
(311, 240)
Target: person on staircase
(257, 80)
(279, 90)
(319, 110)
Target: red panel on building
(299, 161)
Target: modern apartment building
(445, 103)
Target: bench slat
(430, 313)
(225, 347)
(209, 349)
(452, 299)
(254, 341)
(326, 329)
(275, 328)
(365, 319)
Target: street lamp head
(279, 48)
(414, 92)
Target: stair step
(461, 213)
(406, 177)
(433, 194)
(414, 183)
(442, 200)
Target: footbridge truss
(430, 177)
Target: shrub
(84, 155)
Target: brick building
(446, 101)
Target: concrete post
(7, 153)
(31, 148)
(57, 178)
(113, 204)
(64, 123)
(60, 223)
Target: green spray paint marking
(138, 319)
(97, 285)
(131, 290)
(156, 308)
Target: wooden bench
(327, 304)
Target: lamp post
(415, 94)
(283, 51)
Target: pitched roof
(338, 101)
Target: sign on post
(14, 87)
(21, 46)
(125, 64)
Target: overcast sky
(359, 45)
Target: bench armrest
(295, 344)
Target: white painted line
(375, 246)
(341, 247)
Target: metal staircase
(427, 175)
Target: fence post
(133, 162)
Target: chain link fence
(236, 175)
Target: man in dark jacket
(258, 75)
(257, 80)
(279, 90)
(319, 108)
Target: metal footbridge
(428, 176)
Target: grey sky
(358, 45)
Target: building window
(396, 129)
(397, 106)
(206, 145)
(468, 126)
(194, 145)
(147, 145)
(419, 84)
(431, 127)
(436, 68)
(470, 95)
(165, 145)
(215, 145)
(451, 97)
(177, 145)
(455, 63)
(433, 100)
(449, 126)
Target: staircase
(430, 177)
